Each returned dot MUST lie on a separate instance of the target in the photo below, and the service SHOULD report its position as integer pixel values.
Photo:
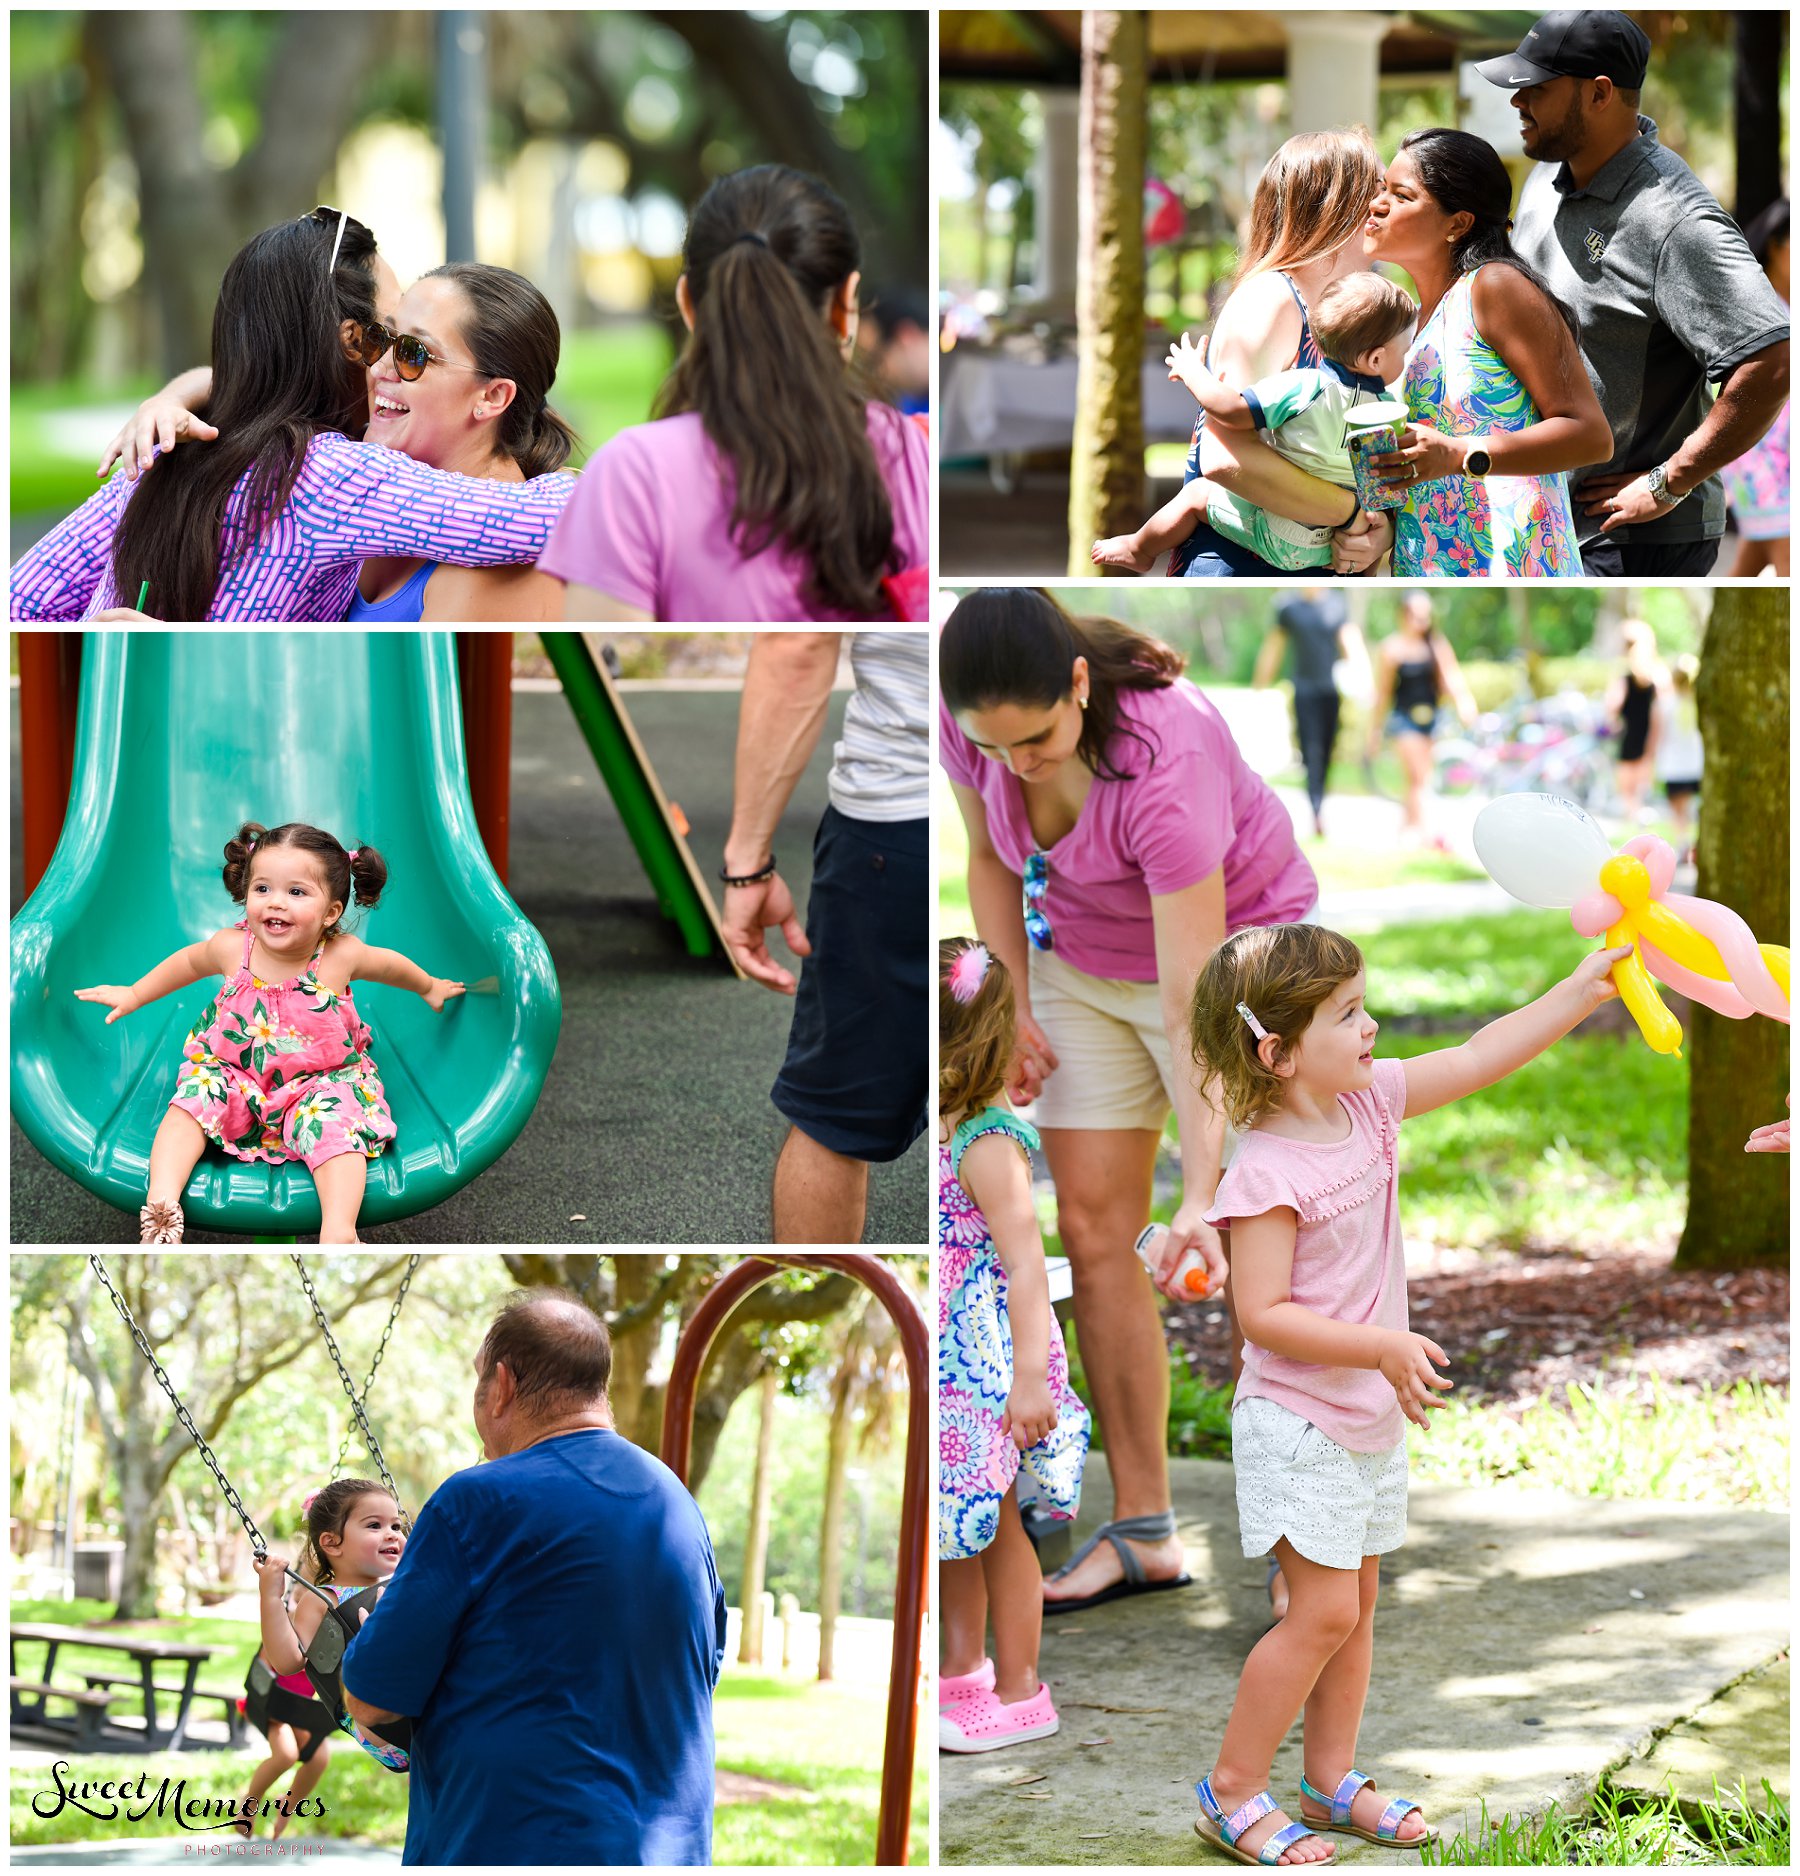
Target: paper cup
(1374, 430)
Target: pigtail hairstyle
(511, 331)
(328, 1512)
(976, 1026)
(1017, 645)
(766, 249)
(361, 877)
(1463, 174)
(281, 372)
(1280, 974)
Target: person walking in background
(1757, 483)
(1667, 295)
(1415, 667)
(1680, 754)
(1315, 626)
(853, 1086)
(1631, 708)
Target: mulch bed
(1516, 1324)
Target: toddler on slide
(277, 1066)
(1363, 325)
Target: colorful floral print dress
(1478, 526)
(977, 1463)
(1757, 484)
(280, 1072)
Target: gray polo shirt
(1670, 301)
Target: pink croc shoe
(983, 1722)
(953, 1688)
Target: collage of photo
(496, 1107)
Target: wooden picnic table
(145, 1653)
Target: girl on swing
(355, 1537)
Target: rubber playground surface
(654, 1125)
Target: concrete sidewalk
(1527, 1643)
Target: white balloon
(1542, 849)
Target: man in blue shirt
(555, 1628)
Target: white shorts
(1334, 1506)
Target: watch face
(1480, 461)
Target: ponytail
(767, 248)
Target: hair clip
(355, 855)
(968, 973)
(254, 838)
(1256, 1028)
(306, 1504)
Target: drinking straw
(143, 594)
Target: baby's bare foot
(1120, 550)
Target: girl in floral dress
(1004, 1399)
(277, 1066)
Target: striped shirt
(350, 500)
(881, 770)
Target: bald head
(556, 1351)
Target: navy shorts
(855, 1076)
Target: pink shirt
(650, 525)
(1348, 1260)
(1196, 808)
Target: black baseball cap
(1580, 43)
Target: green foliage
(1621, 1829)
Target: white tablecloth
(992, 405)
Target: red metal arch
(909, 1590)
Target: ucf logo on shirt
(1595, 244)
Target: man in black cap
(1669, 298)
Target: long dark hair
(765, 250)
(512, 332)
(280, 373)
(1017, 645)
(1464, 174)
(364, 876)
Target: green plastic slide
(181, 738)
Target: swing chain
(259, 1543)
(356, 1408)
(412, 1265)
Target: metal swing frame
(323, 1657)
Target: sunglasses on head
(366, 343)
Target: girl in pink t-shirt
(1331, 1370)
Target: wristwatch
(1657, 482)
(1477, 462)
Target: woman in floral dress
(1501, 404)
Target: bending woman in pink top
(1115, 836)
(1331, 1371)
(272, 521)
(768, 487)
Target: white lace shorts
(1334, 1506)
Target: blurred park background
(799, 1433)
(1215, 93)
(147, 146)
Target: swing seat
(325, 1663)
(181, 737)
(267, 1703)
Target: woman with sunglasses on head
(768, 486)
(273, 521)
(1115, 836)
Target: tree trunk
(1757, 117)
(1106, 462)
(756, 1539)
(831, 1519)
(1738, 1071)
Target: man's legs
(821, 1197)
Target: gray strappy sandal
(1152, 1528)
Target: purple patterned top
(349, 501)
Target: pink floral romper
(280, 1072)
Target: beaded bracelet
(750, 879)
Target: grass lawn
(606, 381)
(825, 1742)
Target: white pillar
(1334, 68)
(1056, 187)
